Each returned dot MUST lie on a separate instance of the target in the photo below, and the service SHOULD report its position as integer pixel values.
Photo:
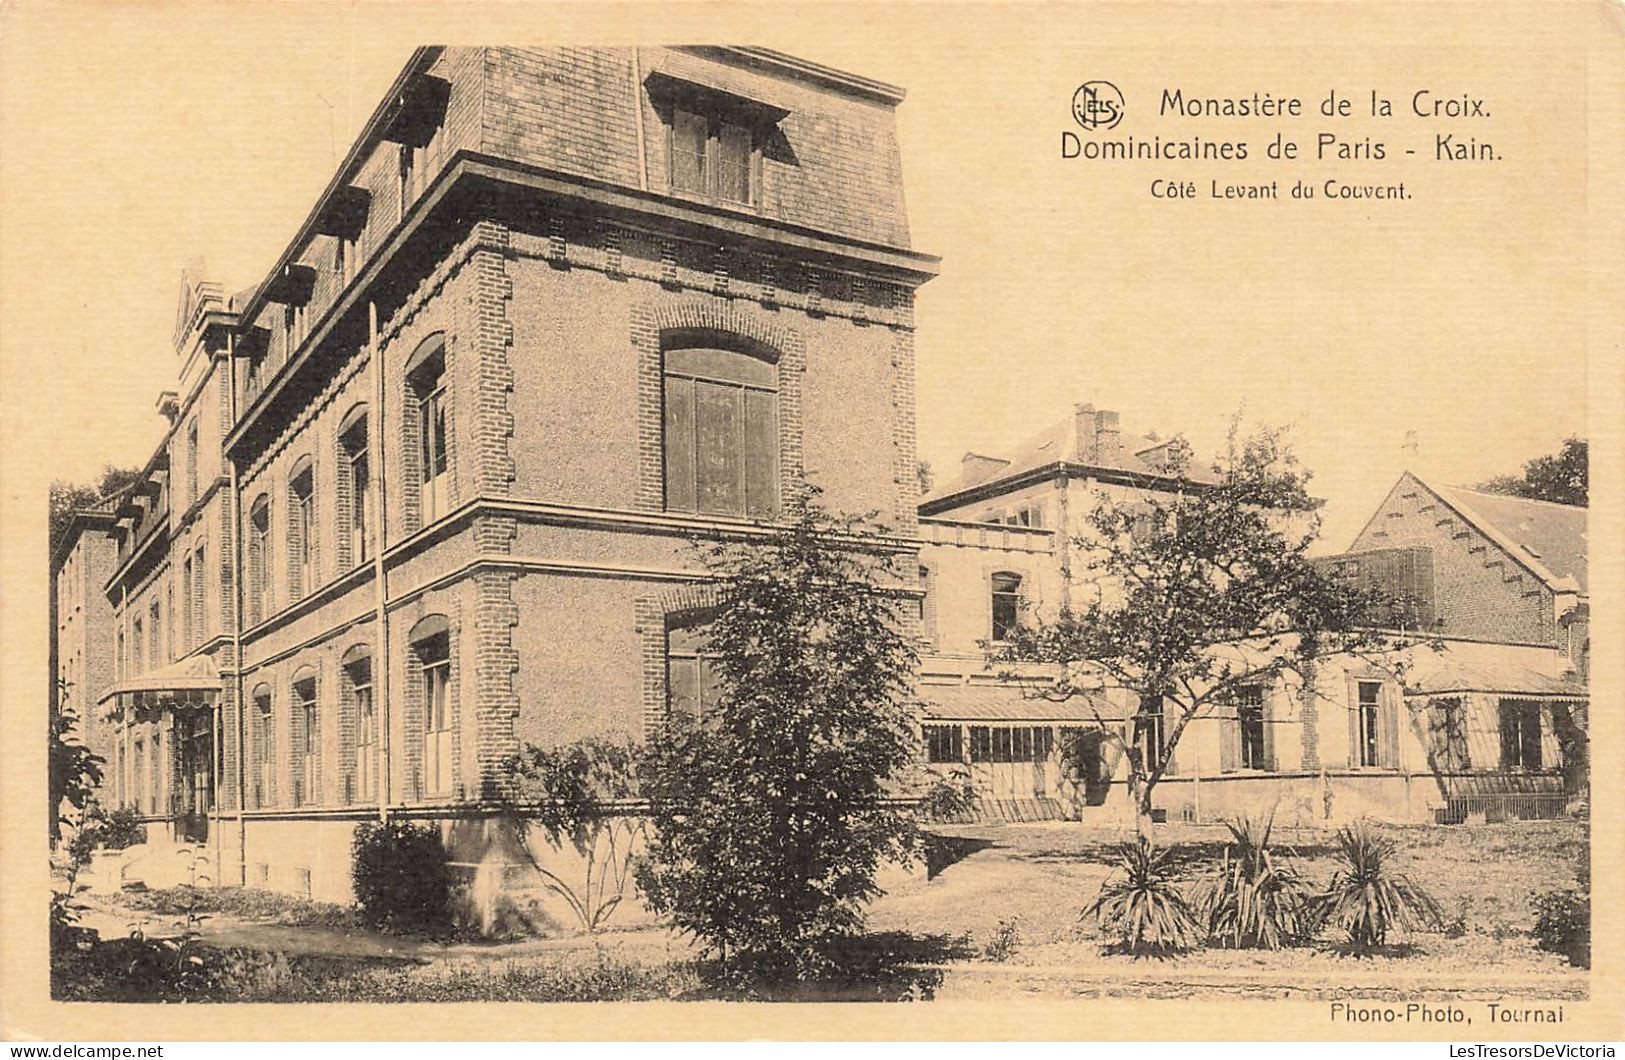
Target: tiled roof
(1003, 703)
(1553, 536)
(1452, 673)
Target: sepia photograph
(1026, 506)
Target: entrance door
(195, 793)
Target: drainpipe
(237, 623)
(380, 655)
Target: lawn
(998, 918)
(1019, 889)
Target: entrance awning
(188, 681)
(993, 703)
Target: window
(1151, 733)
(1520, 735)
(1006, 605)
(198, 570)
(428, 384)
(721, 432)
(712, 157)
(265, 761)
(156, 625)
(928, 606)
(432, 644)
(358, 676)
(1368, 727)
(294, 324)
(345, 253)
(1250, 723)
(944, 743)
(1026, 515)
(1004, 743)
(259, 558)
(1447, 727)
(186, 603)
(191, 463)
(692, 688)
(136, 654)
(358, 476)
(308, 792)
(301, 530)
(411, 175)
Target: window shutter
(1389, 736)
(1353, 705)
(761, 454)
(1266, 712)
(680, 445)
(1229, 743)
(719, 479)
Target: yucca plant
(1141, 905)
(1366, 899)
(1255, 902)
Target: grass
(956, 934)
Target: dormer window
(714, 139)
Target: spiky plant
(1141, 906)
(1366, 899)
(1254, 902)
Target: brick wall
(1480, 591)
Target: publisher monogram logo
(1097, 105)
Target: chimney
(1100, 437)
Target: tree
(75, 770)
(922, 472)
(772, 813)
(1206, 588)
(1562, 477)
(67, 497)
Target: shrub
(402, 881)
(771, 816)
(1366, 899)
(1006, 937)
(1253, 902)
(1563, 918)
(1142, 906)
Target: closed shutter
(718, 476)
(761, 454)
(1266, 712)
(1352, 702)
(1229, 742)
(1389, 725)
(680, 445)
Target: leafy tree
(922, 472)
(67, 497)
(75, 770)
(1562, 477)
(1205, 588)
(772, 813)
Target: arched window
(1006, 604)
(259, 559)
(355, 479)
(301, 529)
(307, 780)
(431, 650)
(721, 427)
(356, 669)
(426, 381)
(264, 747)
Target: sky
(1451, 319)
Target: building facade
(430, 489)
(1485, 714)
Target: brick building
(1493, 722)
(433, 481)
